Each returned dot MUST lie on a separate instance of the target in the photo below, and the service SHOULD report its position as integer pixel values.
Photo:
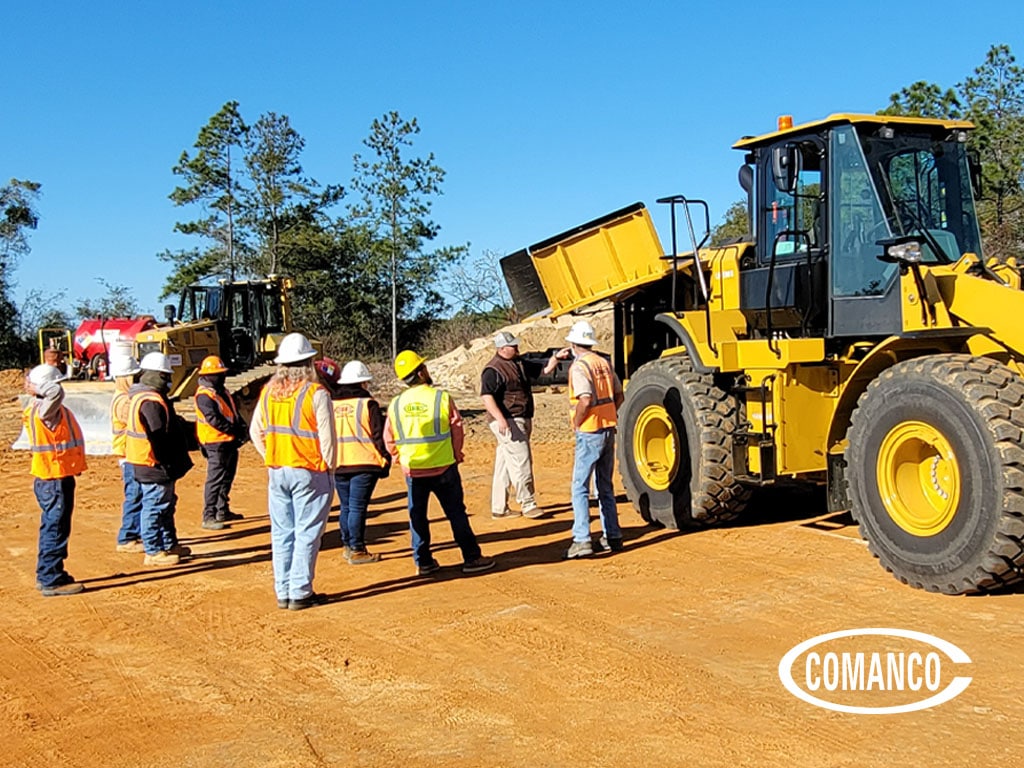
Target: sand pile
(459, 370)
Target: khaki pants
(513, 465)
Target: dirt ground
(665, 654)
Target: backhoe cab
(855, 339)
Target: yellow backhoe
(856, 339)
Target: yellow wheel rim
(918, 478)
(654, 447)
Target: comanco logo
(875, 671)
(414, 409)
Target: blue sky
(543, 114)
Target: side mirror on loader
(786, 167)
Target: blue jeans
(595, 453)
(354, 492)
(299, 501)
(131, 526)
(57, 501)
(157, 518)
(447, 487)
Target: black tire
(695, 486)
(953, 518)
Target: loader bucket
(90, 403)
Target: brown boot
(361, 557)
(161, 560)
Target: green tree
(211, 179)
(280, 197)
(923, 99)
(18, 215)
(735, 224)
(397, 194)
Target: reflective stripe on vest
(355, 441)
(601, 414)
(421, 421)
(137, 448)
(57, 452)
(119, 422)
(292, 438)
(204, 431)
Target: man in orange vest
(595, 394)
(424, 432)
(221, 430)
(293, 430)
(362, 456)
(125, 370)
(156, 447)
(58, 455)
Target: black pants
(221, 464)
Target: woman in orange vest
(221, 431)
(58, 455)
(293, 430)
(362, 457)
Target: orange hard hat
(212, 365)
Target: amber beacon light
(785, 122)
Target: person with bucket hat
(156, 445)
(423, 431)
(58, 456)
(595, 394)
(125, 369)
(221, 430)
(508, 398)
(293, 430)
(362, 457)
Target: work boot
(161, 559)
(613, 545)
(505, 513)
(580, 549)
(180, 550)
(533, 512)
(131, 547)
(361, 557)
(213, 524)
(307, 602)
(426, 570)
(479, 565)
(229, 515)
(70, 588)
(346, 552)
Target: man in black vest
(505, 390)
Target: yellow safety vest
(421, 422)
(57, 452)
(137, 448)
(292, 439)
(119, 422)
(206, 433)
(355, 442)
(601, 414)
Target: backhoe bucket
(90, 403)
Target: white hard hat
(157, 361)
(582, 333)
(124, 365)
(355, 372)
(45, 374)
(294, 348)
(506, 339)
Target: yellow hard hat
(407, 362)
(212, 365)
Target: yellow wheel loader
(856, 339)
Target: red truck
(92, 340)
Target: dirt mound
(13, 378)
(459, 370)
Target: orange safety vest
(57, 452)
(204, 431)
(292, 439)
(601, 414)
(119, 421)
(355, 441)
(137, 448)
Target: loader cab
(827, 197)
